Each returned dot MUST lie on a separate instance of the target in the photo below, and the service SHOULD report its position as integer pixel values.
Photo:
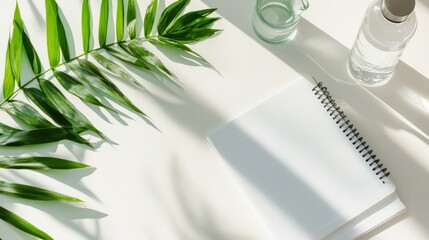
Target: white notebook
(305, 168)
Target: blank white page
(300, 171)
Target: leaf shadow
(13, 233)
(110, 27)
(68, 214)
(159, 10)
(139, 20)
(39, 18)
(179, 56)
(73, 178)
(157, 80)
(69, 33)
(198, 220)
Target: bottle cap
(397, 10)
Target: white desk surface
(169, 184)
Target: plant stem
(64, 63)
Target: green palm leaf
(114, 68)
(41, 101)
(9, 80)
(191, 35)
(122, 55)
(170, 14)
(120, 20)
(88, 72)
(64, 106)
(104, 22)
(22, 224)
(150, 17)
(41, 136)
(52, 32)
(39, 163)
(178, 45)
(16, 46)
(148, 58)
(77, 88)
(5, 129)
(86, 25)
(192, 19)
(131, 19)
(27, 114)
(64, 45)
(32, 55)
(33, 193)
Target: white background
(169, 183)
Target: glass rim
(258, 7)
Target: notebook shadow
(272, 180)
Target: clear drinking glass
(276, 20)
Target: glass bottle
(387, 27)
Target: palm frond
(48, 116)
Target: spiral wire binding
(350, 131)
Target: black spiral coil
(350, 131)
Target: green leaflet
(64, 106)
(170, 14)
(88, 72)
(41, 136)
(175, 44)
(131, 19)
(120, 54)
(56, 35)
(114, 68)
(191, 35)
(5, 129)
(40, 99)
(62, 37)
(39, 163)
(103, 24)
(120, 20)
(86, 25)
(8, 81)
(77, 88)
(149, 18)
(52, 32)
(16, 46)
(27, 114)
(33, 193)
(191, 19)
(22, 224)
(148, 58)
(32, 55)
